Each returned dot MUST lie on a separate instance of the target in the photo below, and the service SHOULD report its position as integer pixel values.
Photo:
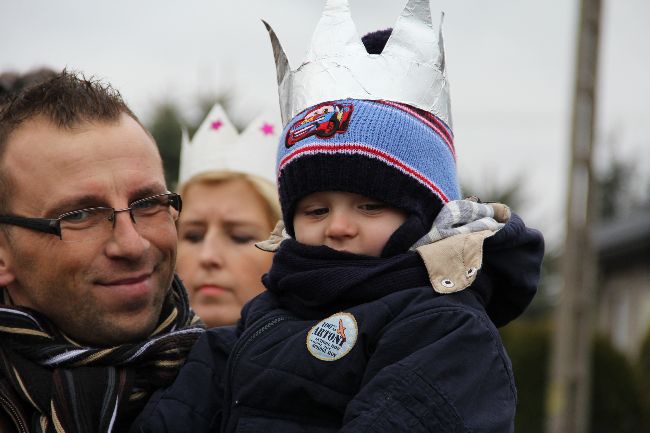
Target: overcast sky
(510, 63)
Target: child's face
(346, 222)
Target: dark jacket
(12, 414)
(420, 362)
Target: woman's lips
(210, 289)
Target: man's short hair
(12, 83)
(65, 99)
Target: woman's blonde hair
(264, 188)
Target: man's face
(103, 291)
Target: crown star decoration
(267, 129)
(217, 146)
(410, 69)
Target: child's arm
(193, 402)
(442, 370)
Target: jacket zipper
(237, 351)
(252, 337)
(13, 412)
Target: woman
(229, 203)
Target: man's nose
(126, 241)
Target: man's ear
(6, 259)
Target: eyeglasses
(89, 224)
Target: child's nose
(341, 225)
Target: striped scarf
(77, 389)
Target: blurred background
(512, 70)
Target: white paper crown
(410, 69)
(217, 146)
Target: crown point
(414, 24)
(338, 66)
(185, 137)
(229, 150)
(335, 33)
(441, 45)
(283, 71)
(216, 125)
(281, 61)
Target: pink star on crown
(267, 129)
(216, 124)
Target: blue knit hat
(385, 150)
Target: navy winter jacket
(368, 347)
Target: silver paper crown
(410, 69)
(217, 146)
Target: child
(351, 335)
(357, 331)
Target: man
(92, 319)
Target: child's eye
(318, 211)
(372, 207)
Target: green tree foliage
(643, 379)
(165, 127)
(528, 344)
(609, 187)
(615, 397)
(617, 189)
(620, 392)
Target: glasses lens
(85, 224)
(97, 223)
(154, 210)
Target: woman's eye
(192, 237)
(243, 239)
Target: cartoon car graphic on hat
(323, 121)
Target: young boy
(351, 336)
(358, 332)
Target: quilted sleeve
(193, 402)
(443, 370)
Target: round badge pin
(332, 338)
